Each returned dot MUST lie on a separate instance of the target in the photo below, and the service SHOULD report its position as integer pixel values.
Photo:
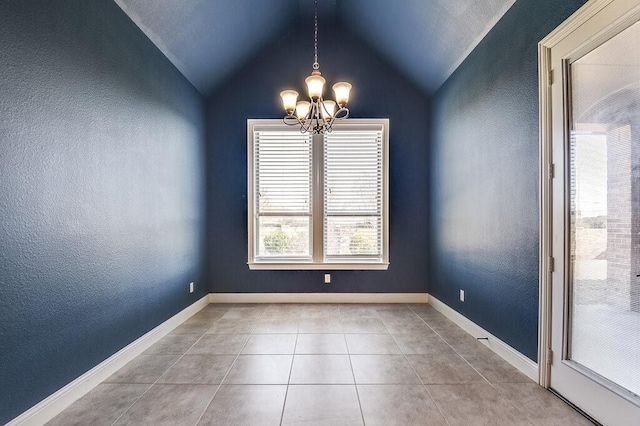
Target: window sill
(319, 266)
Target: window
(318, 201)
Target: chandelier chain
(316, 65)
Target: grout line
(414, 370)
(353, 374)
(167, 370)
(231, 367)
(286, 392)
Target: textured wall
(101, 196)
(484, 177)
(379, 91)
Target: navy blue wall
(378, 91)
(101, 196)
(484, 177)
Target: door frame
(547, 173)
(551, 243)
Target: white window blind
(318, 202)
(353, 185)
(282, 194)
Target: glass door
(596, 229)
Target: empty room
(320, 212)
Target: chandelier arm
(305, 125)
(340, 111)
(291, 120)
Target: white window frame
(317, 262)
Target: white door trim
(546, 79)
(589, 27)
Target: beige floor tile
(383, 369)
(320, 325)
(357, 311)
(279, 325)
(390, 405)
(444, 369)
(321, 369)
(412, 325)
(249, 312)
(245, 405)
(540, 405)
(371, 344)
(266, 344)
(322, 405)
(320, 311)
(233, 326)
(475, 404)
(363, 325)
(143, 369)
(319, 344)
(195, 327)
(199, 369)
(282, 311)
(219, 344)
(495, 369)
(260, 370)
(172, 344)
(102, 406)
(422, 344)
(169, 405)
(465, 344)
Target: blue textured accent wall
(101, 196)
(378, 91)
(484, 177)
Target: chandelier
(318, 115)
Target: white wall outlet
(462, 295)
(190, 287)
(327, 278)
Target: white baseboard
(318, 297)
(55, 403)
(512, 356)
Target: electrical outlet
(190, 287)
(327, 278)
(462, 295)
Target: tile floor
(318, 365)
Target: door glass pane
(604, 192)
